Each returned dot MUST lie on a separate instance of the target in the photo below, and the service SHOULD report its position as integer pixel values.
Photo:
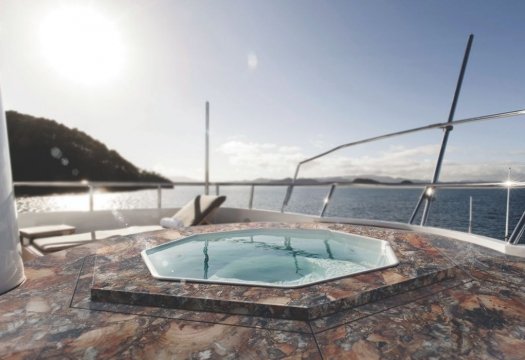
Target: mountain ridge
(44, 150)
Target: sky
(286, 80)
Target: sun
(82, 44)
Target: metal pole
(287, 197)
(518, 231)
(470, 216)
(159, 197)
(252, 190)
(91, 205)
(289, 190)
(327, 199)
(217, 189)
(207, 151)
(418, 205)
(508, 207)
(448, 129)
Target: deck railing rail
(92, 186)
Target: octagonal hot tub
(285, 258)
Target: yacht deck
(446, 299)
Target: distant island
(371, 179)
(44, 150)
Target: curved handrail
(441, 125)
(444, 125)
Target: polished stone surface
(121, 276)
(475, 310)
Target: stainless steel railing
(444, 125)
(91, 188)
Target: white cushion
(171, 223)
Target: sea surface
(450, 209)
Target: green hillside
(44, 150)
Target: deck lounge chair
(57, 243)
(194, 213)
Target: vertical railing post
(207, 152)
(418, 205)
(159, 197)
(518, 231)
(287, 197)
(507, 213)
(448, 129)
(217, 189)
(91, 204)
(327, 199)
(250, 203)
(470, 216)
(289, 190)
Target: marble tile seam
(416, 299)
(315, 340)
(80, 271)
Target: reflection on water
(450, 210)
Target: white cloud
(254, 160)
(261, 159)
(412, 163)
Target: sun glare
(82, 45)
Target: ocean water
(450, 209)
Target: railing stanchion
(507, 213)
(327, 199)
(519, 229)
(252, 190)
(91, 205)
(418, 205)
(159, 197)
(287, 197)
(470, 216)
(207, 152)
(448, 129)
(217, 189)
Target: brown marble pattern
(478, 313)
(468, 321)
(82, 299)
(120, 276)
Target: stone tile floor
(477, 311)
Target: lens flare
(82, 44)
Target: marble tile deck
(446, 299)
(121, 276)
